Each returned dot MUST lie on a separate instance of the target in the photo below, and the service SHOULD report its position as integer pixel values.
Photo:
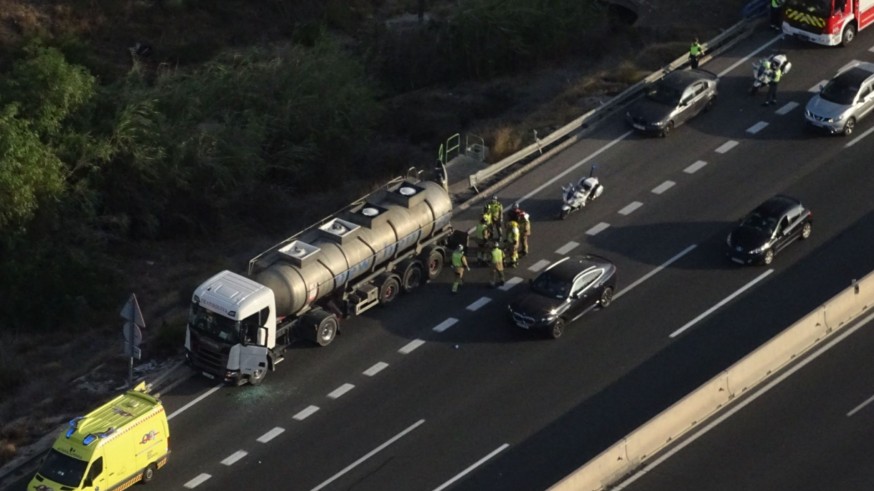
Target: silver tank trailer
(325, 257)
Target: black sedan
(563, 292)
(673, 100)
(769, 228)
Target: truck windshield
(214, 325)
(820, 8)
(63, 469)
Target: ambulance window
(95, 471)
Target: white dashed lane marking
(630, 207)
(478, 304)
(339, 391)
(376, 368)
(306, 413)
(567, 247)
(695, 167)
(661, 188)
(598, 228)
(445, 325)
(266, 437)
(786, 108)
(757, 127)
(411, 346)
(511, 283)
(197, 481)
(725, 147)
(234, 457)
(538, 265)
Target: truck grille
(208, 357)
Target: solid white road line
(369, 455)
(411, 346)
(472, 467)
(757, 127)
(597, 229)
(725, 147)
(195, 401)
(661, 188)
(849, 64)
(306, 413)
(478, 304)
(786, 108)
(574, 167)
(744, 403)
(510, 283)
(339, 391)
(445, 325)
(567, 247)
(871, 49)
(538, 265)
(376, 368)
(630, 207)
(859, 138)
(721, 303)
(860, 406)
(266, 437)
(655, 271)
(747, 57)
(695, 167)
(234, 457)
(197, 481)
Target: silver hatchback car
(843, 101)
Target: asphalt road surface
(441, 392)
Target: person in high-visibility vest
(524, 221)
(695, 53)
(482, 233)
(497, 265)
(459, 264)
(513, 242)
(496, 213)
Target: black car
(563, 292)
(673, 100)
(769, 228)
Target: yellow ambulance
(113, 447)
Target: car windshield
(548, 285)
(839, 92)
(213, 324)
(63, 469)
(821, 8)
(663, 94)
(760, 222)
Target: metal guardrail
(713, 47)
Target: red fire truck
(828, 22)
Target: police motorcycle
(576, 196)
(762, 67)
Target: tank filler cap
(407, 190)
(369, 211)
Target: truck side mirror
(262, 336)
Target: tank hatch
(407, 194)
(338, 230)
(368, 215)
(299, 253)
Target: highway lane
(805, 430)
(310, 376)
(553, 403)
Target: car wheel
(805, 230)
(667, 129)
(606, 297)
(848, 127)
(149, 473)
(557, 329)
(769, 257)
(849, 35)
(710, 103)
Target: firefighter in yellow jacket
(482, 233)
(513, 236)
(497, 265)
(459, 264)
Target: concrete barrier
(632, 452)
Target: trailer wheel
(149, 473)
(411, 276)
(320, 327)
(434, 263)
(389, 289)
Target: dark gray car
(769, 228)
(844, 100)
(672, 101)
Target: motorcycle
(761, 75)
(576, 196)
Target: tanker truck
(388, 242)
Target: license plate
(638, 126)
(208, 375)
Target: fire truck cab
(827, 22)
